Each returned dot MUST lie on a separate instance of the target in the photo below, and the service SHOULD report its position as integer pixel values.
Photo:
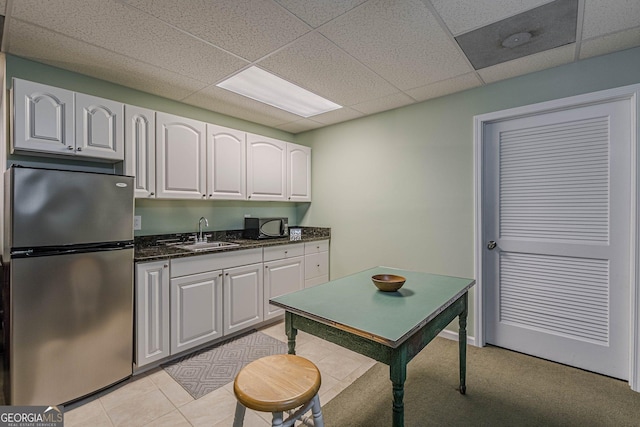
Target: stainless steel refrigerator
(68, 286)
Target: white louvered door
(557, 207)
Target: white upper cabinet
(99, 127)
(298, 173)
(140, 149)
(180, 157)
(266, 168)
(43, 118)
(226, 163)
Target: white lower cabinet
(214, 294)
(152, 312)
(243, 297)
(283, 274)
(188, 302)
(316, 263)
(196, 310)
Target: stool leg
(277, 419)
(238, 419)
(318, 421)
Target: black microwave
(265, 228)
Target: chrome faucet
(199, 238)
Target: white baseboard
(453, 336)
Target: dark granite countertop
(159, 247)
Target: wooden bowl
(388, 282)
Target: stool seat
(277, 383)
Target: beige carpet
(504, 388)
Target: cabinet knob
(70, 148)
(166, 266)
(210, 195)
(204, 195)
(79, 149)
(152, 194)
(318, 265)
(266, 266)
(286, 252)
(226, 274)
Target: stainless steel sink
(206, 246)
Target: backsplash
(181, 216)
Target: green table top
(353, 303)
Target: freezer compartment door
(54, 208)
(71, 329)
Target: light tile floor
(155, 399)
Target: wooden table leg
(291, 332)
(398, 371)
(462, 344)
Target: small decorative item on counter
(295, 234)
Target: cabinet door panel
(243, 297)
(99, 127)
(226, 163)
(140, 149)
(298, 173)
(181, 162)
(281, 277)
(266, 168)
(196, 310)
(43, 118)
(152, 312)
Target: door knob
(491, 245)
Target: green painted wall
(158, 216)
(397, 188)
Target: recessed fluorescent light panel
(255, 83)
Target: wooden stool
(276, 384)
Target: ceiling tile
(337, 116)
(126, 30)
(604, 17)
(528, 64)
(385, 103)
(445, 87)
(299, 126)
(45, 46)
(248, 28)
(401, 41)
(316, 13)
(464, 15)
(610, 43)
(225, 102)
(319, 66)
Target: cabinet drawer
(217, 261)
(316, 265)
(315, 247)
(284, 251)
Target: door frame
(630, 94)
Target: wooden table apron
(396, 357)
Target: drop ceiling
(366, 55)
